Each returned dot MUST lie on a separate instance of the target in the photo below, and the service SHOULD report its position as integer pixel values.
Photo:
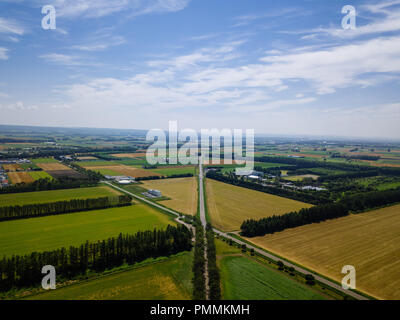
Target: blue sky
(281, 67)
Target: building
(155, 193)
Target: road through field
(204, 223)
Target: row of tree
(213, 272)
(50, 184)
(356, 203)
(60, 207)
(25, 271)
(199, 288)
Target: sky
(278, 67)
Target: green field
(28, 165)
(52, 232)
(164, 279)
(174, 170)
(108, 172)
(95, 163)
(43, 160)
(245, 279)
(36, 175)
(11, 199)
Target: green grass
(94, 163)
(28, 165)
(10, 199)
(160, 279)
(43, 160)
(52, 232)
(172, 171)
(245, 279)
(108, 172)
(36, 175)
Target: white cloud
(3, 53)
(100, 44)
(101, 8)
(11, 26)
(20, 106)
(67, 60)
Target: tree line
(309, 197)
(25, 271)
(357, 202)
(213, 272)
(61, 207)
(198, 281)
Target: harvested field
(302, 177)
(126, 170)
(368, 241)
(229, 206)
(129, 155)
(87, 158)
(20, 177)
(11, 167)
(181, 191)
(53, 166)
(65, 173)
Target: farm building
(155, 193)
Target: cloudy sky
(281, 67)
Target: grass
(181, 191)
(44, 160)
(36, 175)
(301, 177)
(55, 195)
(160, 279)
(243, 278)
(230, 205)
(52, 232)
(108, 172)
(368, 241)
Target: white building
(155, 193)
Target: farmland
(53, 166)
(243, 278)
(53, 232)
(181, 191)
(160, 279)
(55, 195)
(230, 205)
(302, 177)
(130, 155)
(11, 167)
(168, 171)
(124, 170)
(368, 241)
(44, 160)
(36, 175)
(20, 177)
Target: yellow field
(83, 158)
(125, 170)
(11, 167)
(368, 241)
(182, 191)
(19, 177)
(301, 177)
(129, 155)
(53, 167)
(229, 206)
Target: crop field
(55, 195)
(125, 170)
(181, 191)
(87, 158)
(44, 160)
(245, 278)
(154, 279)
(168, 171)
(129, 155)
(65, 173)
(51, 232)
(368, 241)
(302, 177)
(229, 205)
(53, 166)
(11, 167)
(36, 175)
(20, 177)
(95, 163)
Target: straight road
(204, 223)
